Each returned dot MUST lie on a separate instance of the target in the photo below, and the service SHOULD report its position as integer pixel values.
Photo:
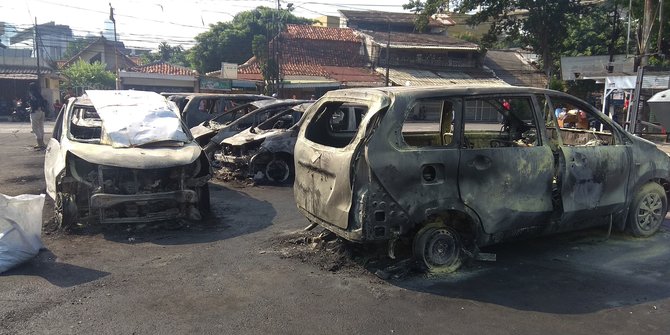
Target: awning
(22, 72)
(416, 77)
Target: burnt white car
(451, 169)
(124, 156)
(265, 151)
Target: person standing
(37, 108)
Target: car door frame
(54, 156)
(514, 196)
(590, 187)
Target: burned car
(235, 121)
(265, 152)
(449, 170)
(124, 156)
(200, 107)
(204, 131)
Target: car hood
(136, 158)
(247, 136)
(281, 142)
(201, 130)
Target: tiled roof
(162, 67)
(22, 72)
(305, 32)
(400, 40)
(371, 16)
(318, 52)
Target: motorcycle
(20, 113)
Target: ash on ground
(329, 252)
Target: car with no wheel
(124, 156)
(452, 169)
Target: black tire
(647, 211)
(204, 204)
(437, 249)
(67, 213)
(279, 170)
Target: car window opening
(336, 124)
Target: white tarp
(20, 229)
(134, 118)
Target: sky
(146, 23)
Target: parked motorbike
(20, 113)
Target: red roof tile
(162, 67)
(318, 52)
(304, 32)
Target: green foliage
(591, 35)
(556, 84)
(232, 42)
(84, 74)
(539, 24)
(174, 55)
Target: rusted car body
(227, 125)
(265, 151)
(124, 156)
(458, 168)
(200, 107)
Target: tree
(232, 42)
(85, 75)
(167, 53)
(593, 34)
(539, 24)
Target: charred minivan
(122, 157)
(453, 169)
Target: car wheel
(67, 213)
(279, 170)
(204, 205)
(647, 210)
(437, 249)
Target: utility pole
(116, 56)
(641, 60)
(277, 26)
(37, 53)
(660, 26)
(388, 51)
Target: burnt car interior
(85, 124)
(230, 116)
(576, 124)
(336, 123)
(502, 121)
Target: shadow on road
(233, 214)
(574, 273)
(60, 274)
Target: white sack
(20, 229)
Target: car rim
(649, 213)
(277, 170)
(441, 249)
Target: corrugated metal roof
(414, 40)
(415, 77)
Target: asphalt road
(247, 272)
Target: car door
(324, 155)
(506, 167)
(415, 159)
(54, 157)
(594, 163)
